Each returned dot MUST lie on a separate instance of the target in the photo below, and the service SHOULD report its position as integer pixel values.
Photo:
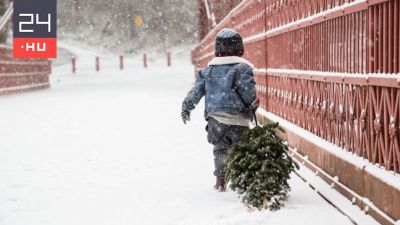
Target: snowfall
(109, 148)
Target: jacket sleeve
(245, 84)
(195, 94)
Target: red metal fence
(22, 75)
(331, 67)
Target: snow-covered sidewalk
(110, 148)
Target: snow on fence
(22, 75)
(331, 67)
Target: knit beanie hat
(228, 43)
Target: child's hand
(256, 103)
(185, 116)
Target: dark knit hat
(228, 43)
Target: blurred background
(124, 26)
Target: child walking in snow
(230, 98)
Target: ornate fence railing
(329, 66)
(18, 75)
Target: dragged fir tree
(258, 168)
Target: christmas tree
(258, 168)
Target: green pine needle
(258, 168)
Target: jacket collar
(229, 60)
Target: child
(230, 98)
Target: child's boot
(220, 184)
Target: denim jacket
(228, 86)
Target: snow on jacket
(221, 83)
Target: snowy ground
(110, 148)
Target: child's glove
(185, 116)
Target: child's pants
(222, 136)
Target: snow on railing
(17, 75)
(19, 78)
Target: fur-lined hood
(229, 60)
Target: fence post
(121, 62)
(169, 58)
(97, 64)
(145, 60)
(50, 63)
(73, 61)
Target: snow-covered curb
(24, 87)
(335, 198)
(389, 178)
